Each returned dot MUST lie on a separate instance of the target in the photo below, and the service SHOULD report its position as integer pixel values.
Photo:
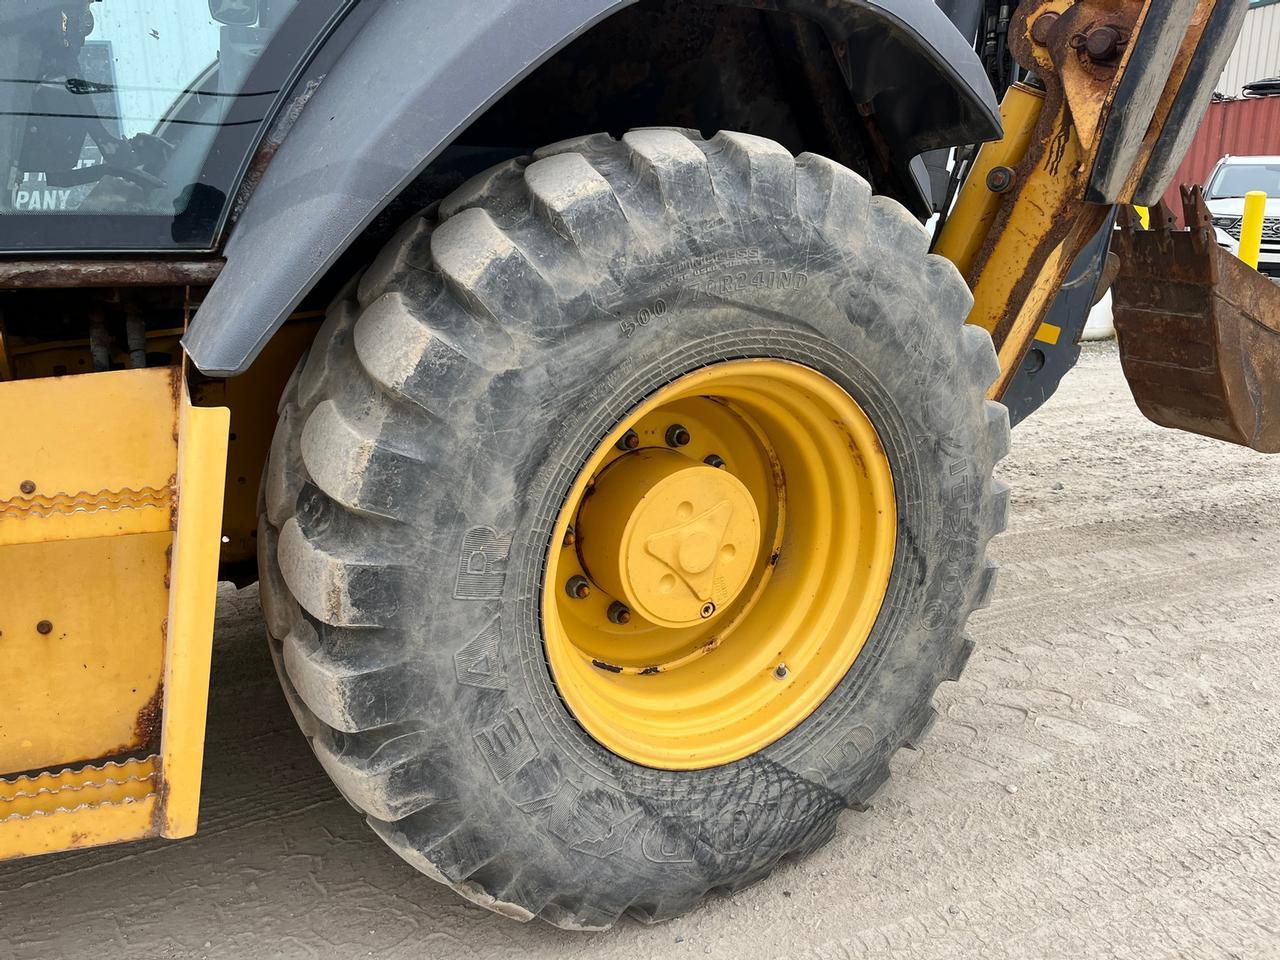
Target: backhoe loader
(604, 394)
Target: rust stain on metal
(50, 274)
(1199, 331)
(159, 812)
(146, 728)
(1043, 221)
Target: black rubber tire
(427, 441)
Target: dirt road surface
(1103, 782)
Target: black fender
(372, 126)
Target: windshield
(119, 113)
(1237, 179)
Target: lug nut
(714, 460)
(708, 609)
(629, 440)
(677, 436)
(28, 487)
(780, 672)
(44, 627)
(618, 613)
(1000, 179)
(578, 587)
(570, 537)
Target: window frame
(239, 138)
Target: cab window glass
(135, 108)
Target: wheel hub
(718, 563)
(674, 539)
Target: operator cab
(126, 124)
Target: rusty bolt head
(1000, 179)
(618, 613)
(780, 672)
(1103, 44)
(1040, 29)
(44, 627)
(677, 436)
(629, 441)
(578, 587)
(714, 460)
(28, 487)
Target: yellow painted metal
(1015, 251)
(1144, 216)
(202, 463)
(253, 398)
(97, 804)
(1049, 333)
(1255, 208)
(805, 501)
(976, 205)
(103, 823)
(82, 441)
(1050, 189)
(47, 793)
(105, 660)
(90, 686)
(674, 539)
(88, 472)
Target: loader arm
(1114, 92)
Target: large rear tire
(429, 442)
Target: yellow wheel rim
(718, 564)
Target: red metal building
(1240, 127)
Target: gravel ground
(1101, 783)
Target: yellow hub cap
(674, 540)
(718, 564)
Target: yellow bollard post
(1255, 205)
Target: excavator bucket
(1199, 330)
(110, 510)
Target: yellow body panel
(100, 804)
(108, 666)
(104, 434)
(90, 687)
(202, 464)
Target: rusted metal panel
(1199, 331)
(1239, 127)
(46, 274)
